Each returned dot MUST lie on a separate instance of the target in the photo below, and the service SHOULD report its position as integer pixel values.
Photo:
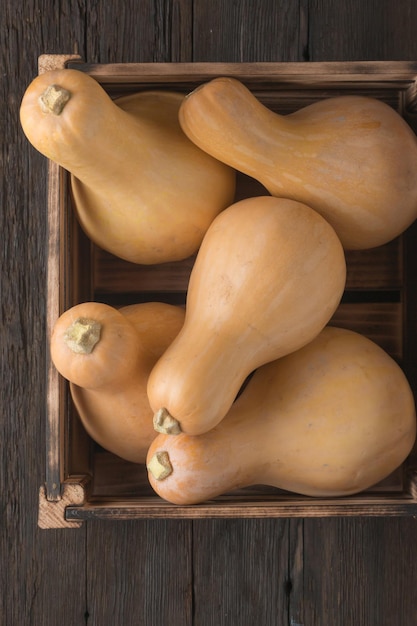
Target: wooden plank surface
(238, 32)
(140, 573)
(241, 572)
(359, 572)
(312, 572)
(355, 31)
(37, 586)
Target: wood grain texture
(34, 561)
(357, 31)
(146, 31)
(241, 572)
(132, 577)
(314, 572)
(270, 30)
(359, 572)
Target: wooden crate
(83, 481)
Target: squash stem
(83, 335)
(163, 422)
(160, 465)
(54, 99)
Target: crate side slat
(55, 386)
(377, 269)
(56, 298)
(380, 322)
(151, 508)
(410, 323)
(399, 73)
(386, 76)
(113, 275)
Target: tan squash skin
(141, 189)
(267, 278)
(331, 419)
(351, 158)
(108, 386)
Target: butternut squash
(351, 158)
(141, 189)
(267, 278)
(331, 419)
(107, 355)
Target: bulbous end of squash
(93, 345)
(163, 422)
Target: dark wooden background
(299, 572)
